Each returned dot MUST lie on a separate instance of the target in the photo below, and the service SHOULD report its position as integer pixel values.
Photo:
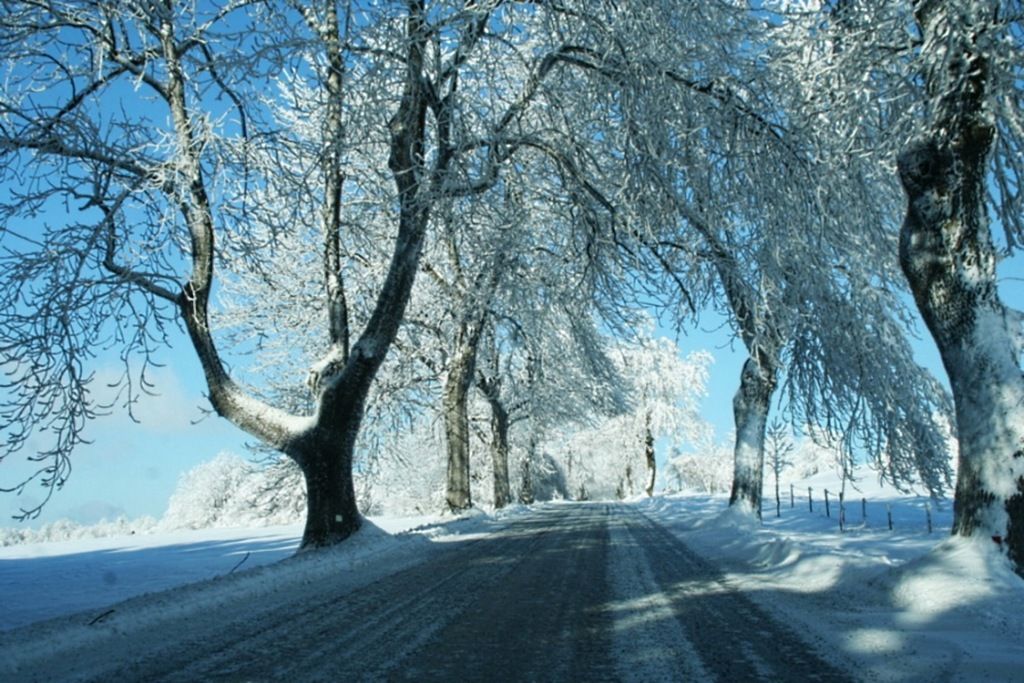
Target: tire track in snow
(355, 635)
(735, 639)
(649, 643)
(570, 592)
(546, 620)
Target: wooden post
(810, 501)
(928, 515)
(864, 510)
(842, 512)
(792, 496)
(888, 512)
(828, 511)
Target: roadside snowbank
(40, 581)
(901, 605)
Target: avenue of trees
(394, 227)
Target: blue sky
(132, 468)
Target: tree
(706, 469)
(616, 454)
(746, 204)
(951, 74)
(151, 120)
(778, 449)
(972, 73)
(551, 370)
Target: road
(588, 592)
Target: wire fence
(836, 506)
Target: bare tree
(778, 451)
(745, 202)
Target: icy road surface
(581, 592)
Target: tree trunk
(500, 425)
(456, 427)
(331, 511)
(526, 495)
(947, 254)
(499, 454)
(461, 372)
(948, 257)
(778, 499)
(652, 465)
(750, 410)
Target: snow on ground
(47, 580)
(900, 605)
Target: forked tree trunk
(750, 410)
(322, 445)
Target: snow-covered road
(572, 592)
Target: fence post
(888, 512)
(864, 510)
(842, 512)
(792, 496)
(810, 501)
(928, 515)
(828, 511)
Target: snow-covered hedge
(231, 491)
(66, 530)
(227, 491)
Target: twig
(101, 617)
(239, 563)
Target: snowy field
(900, 605)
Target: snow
(885, 605)
(47, 580)
(894, 605)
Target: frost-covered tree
(615, 455)
(665, 391)
(207, 494)
(537, 376)
(707, 468)
(934, 89)
(143, 132)
(745, 204)
(971, 139)
(477, 244)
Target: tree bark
(750, 410)
(526, 493)
(461, 371)
(331, 511)
(652, 465)
(947, 254)
(499, 455)
(950, 264)
(458, 496)
(500, 425)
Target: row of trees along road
(550, 170)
